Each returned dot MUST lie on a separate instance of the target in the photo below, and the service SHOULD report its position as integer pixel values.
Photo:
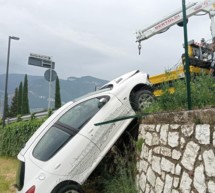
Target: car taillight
(31, 190)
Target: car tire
(141, 100)
(70, 188)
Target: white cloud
(92, 37)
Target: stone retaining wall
(178, 154)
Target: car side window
(50, 143)
(80, 114)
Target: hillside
(38, 89)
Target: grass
(8, 168)
(123, 181)
(202, 95)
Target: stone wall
(178, 153)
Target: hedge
(14, 136)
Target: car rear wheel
(141, 100)
(71, 188)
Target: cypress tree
(57, 94)
(20, 99)
(25, 103)
(14, 104)
(7, 112)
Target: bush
(203, 91)
(123, 179)
(202, 95)
(14, 136)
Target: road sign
(50, 73)
(41, 61)
(40, 56)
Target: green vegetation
(20, 103)
(14, 136)
(202, 95)
(123, 179)
(19, 110)
(57, 94)
(14, 104)
(25, 102)
(7, 109)
(8, 167)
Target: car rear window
(50, 143)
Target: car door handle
(57, 166)
(90, 130)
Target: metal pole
(6, 82)
(6, 78)
(50, 86)
(187, 65)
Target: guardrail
(26, 117)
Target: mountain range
(38, 89)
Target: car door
(105, 135)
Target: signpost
(45, 62)
(41, 61)
(50, 76)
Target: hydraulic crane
(207, 7)
(200, 54)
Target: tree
(20, 99)
(7, 112)
(25, 101)
(57, 94)
(14, 104)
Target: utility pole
(6, 78)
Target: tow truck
(200, 54)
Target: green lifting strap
(120, 119)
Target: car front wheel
(142, 100)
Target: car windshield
(80, 114)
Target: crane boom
(207, 6)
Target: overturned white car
(65, 150)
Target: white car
(68, 146)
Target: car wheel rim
(144, 101)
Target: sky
(93, 37)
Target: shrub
(14, 136)
(203, 91)
(202, 95)
(123, 179)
